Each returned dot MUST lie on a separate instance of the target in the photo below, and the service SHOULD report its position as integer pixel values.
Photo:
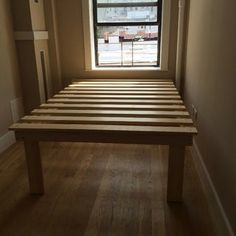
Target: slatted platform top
(127, 109)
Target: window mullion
(127, 23)
(117, 5)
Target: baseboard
(220, 219)
(7, 140)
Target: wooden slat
(114, 106)
(100, 128)
(156, 88)
(109, 104)
(123, 82)
(95, 112)
(113, 101)
(120, 92)
(118, 85)
(120, 80)
(117, 90)
(118, 96)
(110, 120)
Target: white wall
(9, 76)
(210, 84)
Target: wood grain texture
(130, 92)
(33, 158)
(115, 106)
(103, 129)
(114, 101)
(175, 172)
(120, 96)
(112, 113)
(102, 190)
(109, 120)
(101, 89)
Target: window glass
(125, 1)
(127, 33)
(127, 46)
(127, 14)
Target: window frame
(157, 23)
(89, 46)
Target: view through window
(127, 32)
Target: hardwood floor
(100, 189)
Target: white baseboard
(219, 216)
(7, 140)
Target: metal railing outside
(128, 53)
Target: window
(127, 33)
(92, 26)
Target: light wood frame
(108, 111)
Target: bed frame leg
(33, 159)
(175, 173)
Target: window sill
(126, 69)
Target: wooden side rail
(111, 111)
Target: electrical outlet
(194, 113)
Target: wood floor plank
(158, 194)
(100, 189)
(115, 176)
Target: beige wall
(37, 15)
(22, 15)
(29, 15)
(71, 42)
(9, 76)
(46, 92)
(33, 83)
(211, 86)
(53, 45)
(28, 70)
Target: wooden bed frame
(111, 111)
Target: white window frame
(89, 46)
